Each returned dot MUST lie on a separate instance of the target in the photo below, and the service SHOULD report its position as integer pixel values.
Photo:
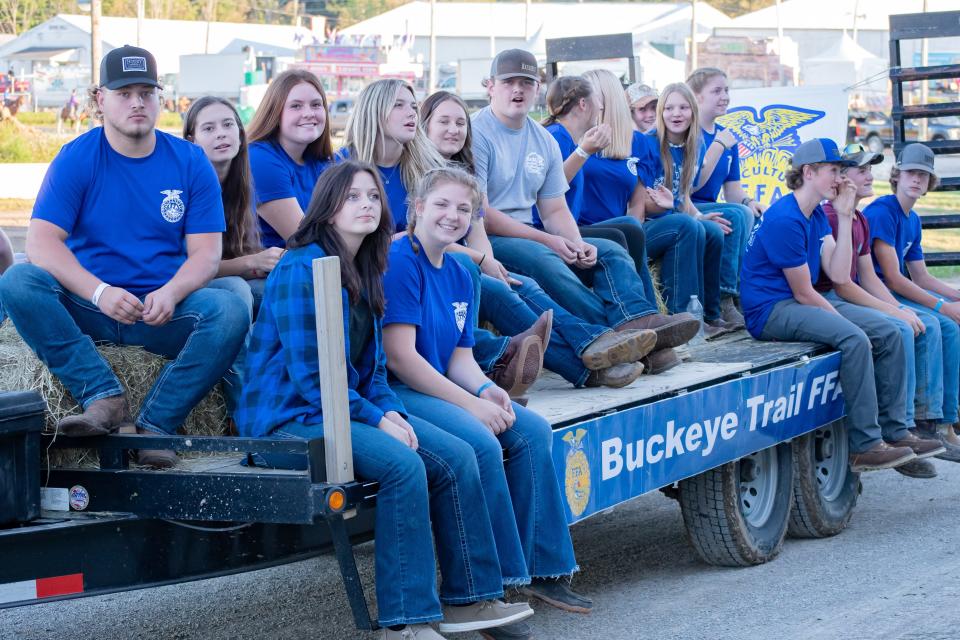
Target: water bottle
(696, 310)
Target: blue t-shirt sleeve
(402, 287)
(648, 158)
(272, 178)
(915, 252)
(883, 224)
(206, 204)
(62, 191)
(786, 242)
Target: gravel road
(894, 573)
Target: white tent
(845, 63)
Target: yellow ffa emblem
(577, 475)
(766, 145)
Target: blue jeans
(679, 241)
(734, 243)
(945, 377)
(635, 239)
(251, 293)
(616, 296)
(522, 495)
(438, 483)
(201, 339)
(513, 310)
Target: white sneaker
(412, 632)
(483, 615)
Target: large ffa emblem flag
(766, 144)
(576, 477)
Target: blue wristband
(939, 304)
(486, 385)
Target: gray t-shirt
(516, 167)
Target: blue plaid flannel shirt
(282, 383)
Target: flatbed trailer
(119, 527)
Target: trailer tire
(736, 515)
(825, 490)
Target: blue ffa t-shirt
(784, 239)
(609, 183)
(652, 173)
(277, 176)
(574, 195)
(727, 169)
(436, 301)
(902, 232)
(394, 188)
(126, 218)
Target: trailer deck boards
(713, 362)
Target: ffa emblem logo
(460, 313)
(576, 477)
(172, 207)
(632, 165)
(766, 144)
(534, 163)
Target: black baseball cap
(514, 63)
(128, 65)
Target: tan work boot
(101, 417)
(618, 347)
(713, 329)
(483, 615)
(922, 447)
(519, 366)
(730, 314)
(880, 456)
(672, 331)
(660, 361)
(615, 377)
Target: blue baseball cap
(819, 150)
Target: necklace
(389, 174)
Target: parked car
(338, 113)
(875, 129)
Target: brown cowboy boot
(101, 417)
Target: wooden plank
(333, 370)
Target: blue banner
(607, 460)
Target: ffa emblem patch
(632, 165)
(460, 313)
(172, 207)
(576, 477)
(766, 142)
(534, 163)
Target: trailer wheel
(736, 515)
(825, 490)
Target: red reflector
(60, 585)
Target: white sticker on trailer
(54, 499)
(18, 591)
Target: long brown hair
(266, 121)
(364, 273)
(691, 142)
(242, 237)
(465, 156)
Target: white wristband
(581, 152)
(103, 286)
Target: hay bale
(657, 288)
(137, 369)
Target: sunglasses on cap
(853, 149)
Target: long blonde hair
(616, 113)
(433, 179)
(365, 133)
(691, 142)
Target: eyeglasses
(853, 149)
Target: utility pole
(211, 8)
(432, 84)
(95, 44)
(296, 10)
(924, 84)
(693, 36)
(140, 22)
